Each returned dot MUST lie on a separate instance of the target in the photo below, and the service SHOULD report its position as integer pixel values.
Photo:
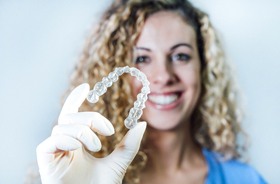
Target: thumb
(125, 152)
(131, 141)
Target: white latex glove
(63, 157)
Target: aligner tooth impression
(136, 111)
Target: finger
(128, 147)
(75, 99)
(94, 120)
(47, 149)
(80, 132)
(58, 143)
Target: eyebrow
(172, 48)
(143, 48)
(181, 44)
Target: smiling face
(167, 53)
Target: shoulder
(238, 171)
(230, 171)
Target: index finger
(75, 100)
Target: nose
(162, 74)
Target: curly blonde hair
(215, 121)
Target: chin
(163, 125)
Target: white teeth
(163, 99)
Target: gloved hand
(63, 157)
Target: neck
(171, 150)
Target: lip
(166, 107)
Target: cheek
(195, 84)
(195, 81)
(136, 86)
(147, 70)
(192, 83)
(190, 77)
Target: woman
(192, 114)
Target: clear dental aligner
(101, 87)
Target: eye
(142, 59)
(180, 57)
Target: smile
(164, 99)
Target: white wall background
(41, 40)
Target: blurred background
(40, 42)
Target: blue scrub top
(229, 171)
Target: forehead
(166, 28)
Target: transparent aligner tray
(136, 111)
